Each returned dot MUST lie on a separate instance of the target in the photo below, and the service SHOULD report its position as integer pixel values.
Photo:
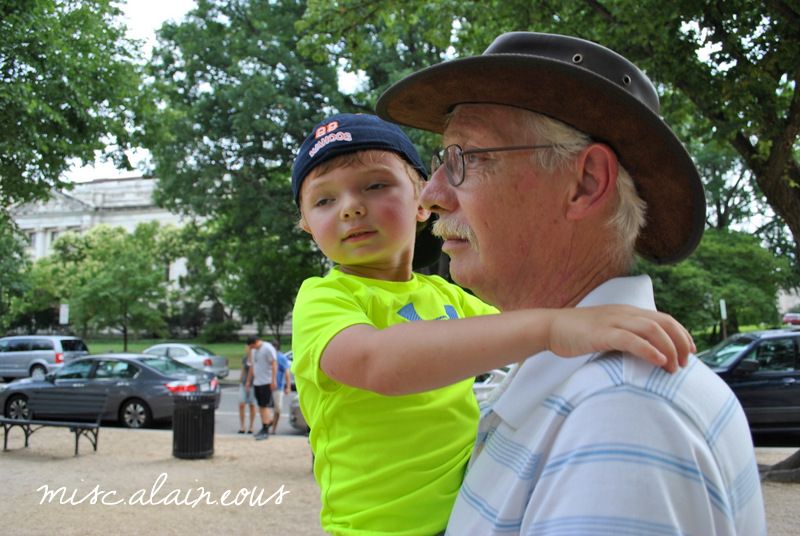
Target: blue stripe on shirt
(745, 486)
(559, 405)
(638, 455)
(721, 419)
(613, 367)
(515, 456)
(600, 526)
(487, 512)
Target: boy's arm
(274, 366)
(419, 356)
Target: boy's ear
(423, 214)
(596, 183)
(303, 225)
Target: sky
(143, 18)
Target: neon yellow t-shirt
(384, 464)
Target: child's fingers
(680, 337)
(635, 344)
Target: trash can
(193, 426)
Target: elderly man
(556, 170)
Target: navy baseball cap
(348, 133)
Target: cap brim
(663, 171)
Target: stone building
(114, 202)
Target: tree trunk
(787, 470)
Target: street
(227, 415)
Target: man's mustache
(452, 229)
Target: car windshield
(168, 366)
(725, 351)
(199, 350)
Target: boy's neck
(396, 273)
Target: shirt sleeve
(648, 470)
(321, 311)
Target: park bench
(80, 412)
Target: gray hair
(630, 216)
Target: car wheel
(38, 372)
(17, 407)
(135, 413)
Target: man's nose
(437, 195)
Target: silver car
(194, 356)
(22, 356)
(141, 388)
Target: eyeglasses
(453, 159)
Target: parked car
(483, 387)
(194, 356)
(141, 388)
(34, 356)
(792, 318)
(763, 370)
(486, 383)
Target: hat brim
(664, 174)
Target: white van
(22, 356)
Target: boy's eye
(322, 202)
(376, 186)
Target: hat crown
(345, 133)
(582, 54)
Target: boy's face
(364, 216)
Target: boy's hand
(650, 335)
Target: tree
(14, 265)
(727, 265)
(114, 279)
(733, 64)
(69, 83)
(235, 101)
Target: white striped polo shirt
(610, 445)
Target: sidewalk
(131, 462)
(155, 490)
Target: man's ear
(596, 184)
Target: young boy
(394, 464)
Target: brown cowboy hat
(589, 87)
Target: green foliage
(69, 82)
(726, 71)
(224, 331)
(14, 265)
(727, 265)
(235, 102)
(109, 277)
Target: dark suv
(763, 369)
(36, 355)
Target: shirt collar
(538, 377)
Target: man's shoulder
(695, 392)
(615, 369)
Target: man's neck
(562, 288)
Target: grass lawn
(234, 351)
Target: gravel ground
(157, 491)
